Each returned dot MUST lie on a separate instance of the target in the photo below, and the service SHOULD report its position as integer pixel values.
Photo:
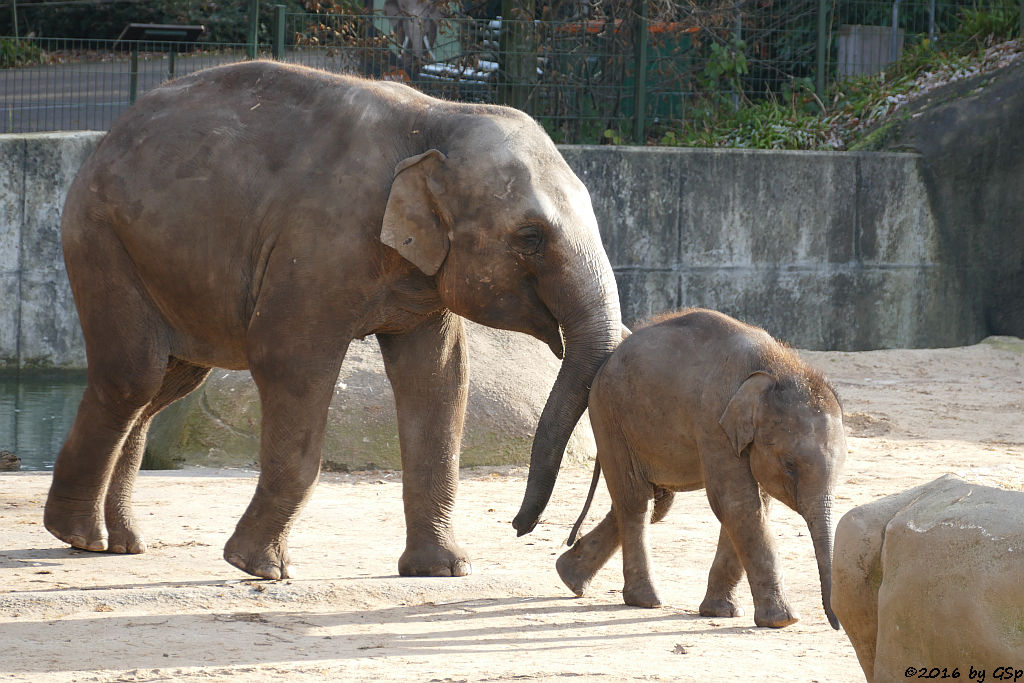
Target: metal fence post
(14, 16)
(821, 52)
(254, 28)
(640, 77)
(133, 81)
(517, 47)
(894, 41)
(279, 23)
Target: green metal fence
(618, 72)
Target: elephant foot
(575, 573)
(720, 607)
(777, 615)
(124, 539)
(84, 530)
(265, 561)
(434, 560)
(641, 596)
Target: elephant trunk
(587, 309)
(819, 523)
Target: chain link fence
(611, 71)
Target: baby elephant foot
(434, 560)
(720, 607)
(775, 615)
(79, 528)
(262, 560)
(575, 572)
(642, 595)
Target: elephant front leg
(428, 372)
(738, 505)
(295, 390)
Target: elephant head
(792, 430)
(508, 232)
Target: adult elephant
(262, 216)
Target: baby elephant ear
(415, 224)
(740, 416)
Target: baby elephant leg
(722, 599)
(638, 587)
(743, 514)
(579, 564)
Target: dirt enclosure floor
(179, 612)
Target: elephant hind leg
(662, 504)
(111, 406)
(578, 565)
(127, 350)
(180, 379)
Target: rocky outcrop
(933, 577)
(511, 375)
(970, 135)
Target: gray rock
(971, 142)
(933, 577)
(9, 462)
(510, 377)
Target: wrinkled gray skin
(701, 400)
(262, 216)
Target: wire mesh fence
(610, 70)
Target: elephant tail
(574, 535)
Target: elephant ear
(740, 416)
(415, 225)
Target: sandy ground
(179, 612)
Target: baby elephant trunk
(819, 522)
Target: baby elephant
(701, 400)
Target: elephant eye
(527, 240)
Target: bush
(18, 53)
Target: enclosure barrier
(839, 252)
(609, 76)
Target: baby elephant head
(791, 428)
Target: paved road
(89, 95)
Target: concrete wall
(825, 250)
(828, 251)
(38, 323)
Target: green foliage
(18, 53)
(726, 66)
(859, 110)
(791, 123)
(1000, 21)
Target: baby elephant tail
(574, 535)
(662, 502)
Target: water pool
(36, 412)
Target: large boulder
(933, 577)
(510, 377)
(971, 142)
